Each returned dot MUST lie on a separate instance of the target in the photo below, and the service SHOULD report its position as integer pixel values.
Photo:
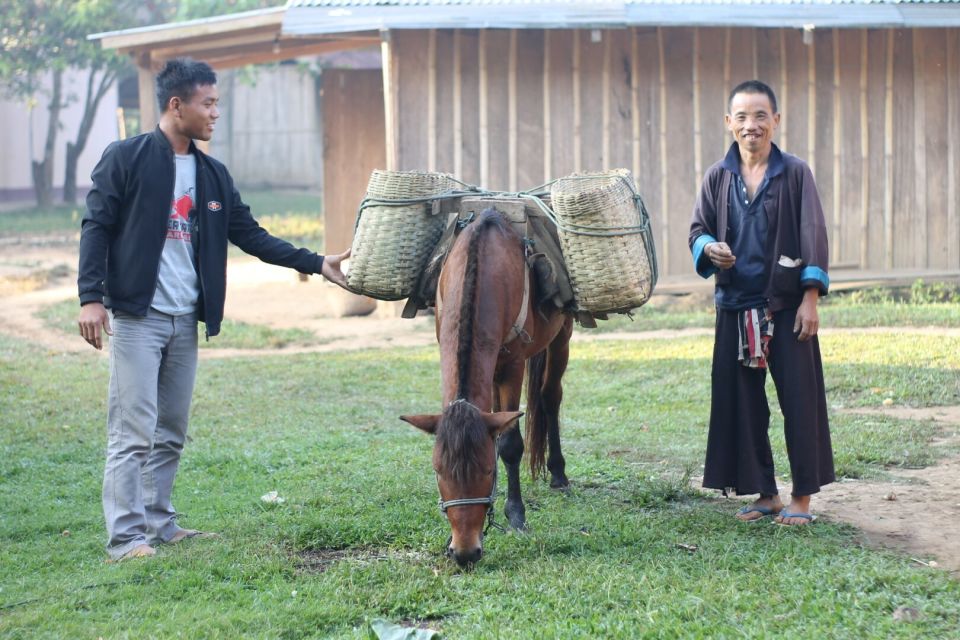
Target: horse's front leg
(558, 355)
(510, 444)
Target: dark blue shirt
(747, 236)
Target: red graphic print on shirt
(178, 227)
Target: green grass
(31, 221)
(359, 536)
(292, 215)
(62, 316)
(921, 305)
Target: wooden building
(509, 95)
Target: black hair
(180, 78)
(753, 86)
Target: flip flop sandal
(810, 518)
(763, 511)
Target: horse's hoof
(520, 526)
(517, 519)
(560, 483)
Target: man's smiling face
(752, 121)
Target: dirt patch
(918, 510)
(320, 560)
(915, 512)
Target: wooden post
(920, 148)
(547, 125)
(888, 159)
(432, 101)
(577, 133)
(635, 101)
(953, 139)
(605, 118)
(697, 123)
(726, 66)
(390, 100)
(864, 152)
(512, 108)
(147, 89)
(457, 107)
(837, 152)
(484, 115)
(812, 106)
(664, 195)
(784, 88)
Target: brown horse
(488, 329)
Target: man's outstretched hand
(331, 269)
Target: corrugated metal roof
(339, 16)
(425, 3)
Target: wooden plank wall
(876, 114)
(353, 146)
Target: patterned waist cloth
(756, 330)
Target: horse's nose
(468, 557)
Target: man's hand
(808, 319)
(331, 269)
(720, 255)
(93, 318)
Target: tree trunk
(90, 105)
(43, 170)
(70, 174)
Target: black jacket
(797, 234)
(125, 227)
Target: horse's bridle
(464, 502)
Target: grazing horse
(488, 328)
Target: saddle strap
(517, 329)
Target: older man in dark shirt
(758, 225)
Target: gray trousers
(153, 365)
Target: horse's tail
(536, 417)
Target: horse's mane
(468, 308)
(460, 438)
(461, 432)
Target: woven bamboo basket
(395, 232)
(606, 240)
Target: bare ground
(915, 512)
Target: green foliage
(39, 36)
(918, 293)
(859, 297)
(193, 9)
(934, 293)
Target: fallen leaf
(931, 563)
(906, 614)
(272, 497)
(386, 630)
(692, 548)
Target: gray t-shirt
(178, 287)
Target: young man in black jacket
(153, 250)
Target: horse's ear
(501, 421)
(425, 422)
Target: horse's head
(465, 460)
